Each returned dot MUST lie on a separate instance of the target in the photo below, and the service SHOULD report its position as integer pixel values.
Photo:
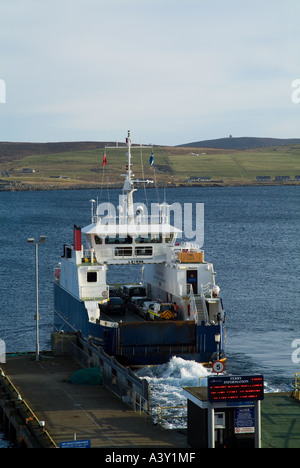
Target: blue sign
(244, 422)
(76, 444)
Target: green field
(238, 165)
(172, 165)
(86, 166)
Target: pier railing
(132, 390)
(12, 403)
(297, 386)
(166, 414)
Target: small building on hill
(28, 170)
(263, 178)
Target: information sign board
(235, 388)
(244, 422)
(76, 444)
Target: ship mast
(128, 184)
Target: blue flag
(151, 160)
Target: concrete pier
(40, 408)
(43, 409)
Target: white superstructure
(175, 275)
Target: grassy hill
(243, 143)
(237, 165)
(15, 151)
(79, 164)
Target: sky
(171, 71)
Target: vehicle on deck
(135, 303)
(132, 290)
(115, 305)
(161, 311)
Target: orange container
(191, 257)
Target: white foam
(166, 381)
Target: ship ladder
(201, 309)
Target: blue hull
(141, 343)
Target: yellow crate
(191, 257)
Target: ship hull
(140, 343)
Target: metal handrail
(296, 393)
(114, 377)
(161, 417)
(21, 400)
(160, 409)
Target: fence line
(132, 390)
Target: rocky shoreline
(23, 187)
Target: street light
(217, 341)
(41, 241)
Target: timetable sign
(235, 388)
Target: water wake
(166, 381)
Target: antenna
(92, 208)
(128, 184)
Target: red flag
(104, 160)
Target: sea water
(251, 235)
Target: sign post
(211, 426)
(257, 417)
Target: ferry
(175, 310)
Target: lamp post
(217, 341)
(41, 241)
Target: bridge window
(169, 239)
(91, 277)
(150, 239)
(98, 240)
(123, 251)
(143, 251)
(118, 240)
